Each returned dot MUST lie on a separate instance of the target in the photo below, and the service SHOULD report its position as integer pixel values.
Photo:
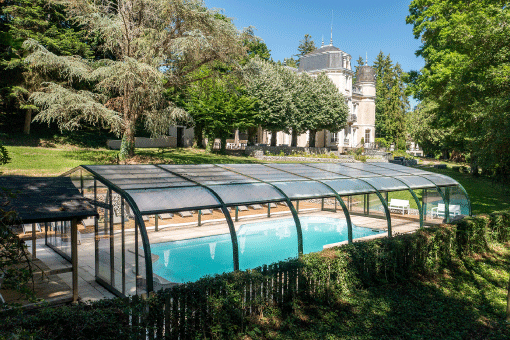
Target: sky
(359, 27)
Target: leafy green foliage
(41, 20)
(154, 46)
(306, 45)
(466, 74)
(391, 103)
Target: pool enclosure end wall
(160, 189)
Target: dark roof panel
(44, 199)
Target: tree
(156, 45)
(325, 107)
(218, 107)
(45, 22)
(391, 103)
(467, 74)
(274, 99)
(307, 45)
(256, 47)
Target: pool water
(259, 243)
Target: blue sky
(358, 26)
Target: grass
(43, 161)
(486, 195)
(467, 302)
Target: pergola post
(34, 242)
(74, 257)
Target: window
(334, 137)
(367, 136)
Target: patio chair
(88, 222)
(242, 208)
(206, 212)
(255, 206)
(165, 216)
(454, 210)
(27, 228)
(185, 214)
(271, 205)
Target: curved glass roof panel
(306, 171)
(440, 180)
(137, 176)
(304, 189)
(208, 174)
(262, 172)
(372, 169)
(173, 199)
(343, 170)
(235, 194)
(416, 182)
(386, 183)
(350, 186)
(401, 168)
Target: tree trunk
(252, 133)
(273, 137)
(209, 147)
(293, 142)
(223, 149)
(311, 144)
(198, 137)
(127, 145)
(28, 120)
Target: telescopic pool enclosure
(127, 197)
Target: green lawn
(39, 161)
(486, 196)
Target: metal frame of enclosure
(157, 189)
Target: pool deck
(90, 290)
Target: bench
(399, 205)
(454, 210)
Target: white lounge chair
(206, 212)
(271, 205)
(242, 208)
(454, 210)
(399, 205)
(255, 206)
(27, 228)
(165, 216)
(88, 222)
(185, 214)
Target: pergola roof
(44, 199)
(167, 188)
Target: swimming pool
(259, 243)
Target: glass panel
(372, 169)
(441, 180)
(349, 186)
(343, 170)
(415, 182)
(173, 199)
(306, 171)
(193, 252)
(386, 183)
(304, 189)
(401, 168)
(262, 172)
(431, 202)
(208, 175)
(404, 203)
(247, 193)
(267, 242)
(459, 204)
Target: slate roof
(43, 199)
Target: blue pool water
(259, 243)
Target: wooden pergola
(45, 200)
